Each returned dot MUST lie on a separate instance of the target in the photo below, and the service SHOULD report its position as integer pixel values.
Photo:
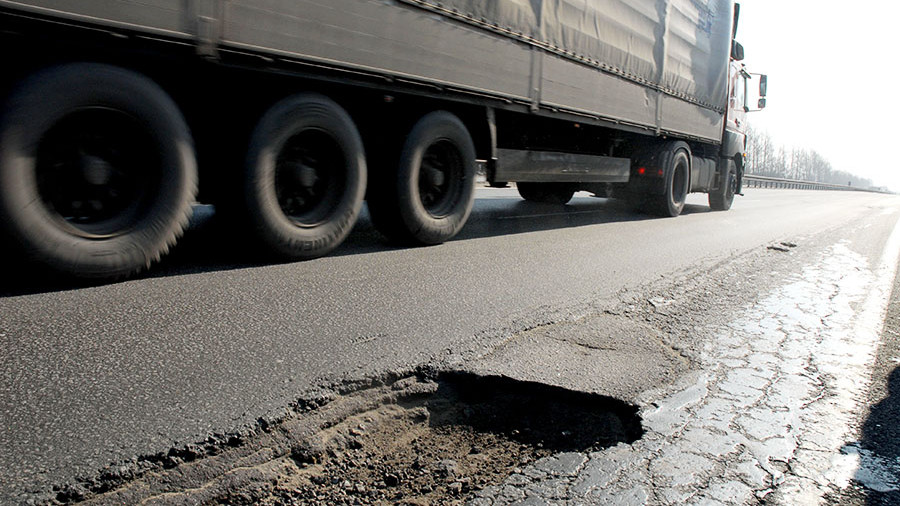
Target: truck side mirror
(761, 104)
(737, 51)
(763, 82)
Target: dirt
(415, 441)
(395, 455)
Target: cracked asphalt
(772, 415)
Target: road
(210, 342)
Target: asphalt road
(210, 342)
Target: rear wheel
(427, 197)
(305, 177)
(97, 170)
(547, 193)
(675, 161)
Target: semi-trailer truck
(120, 115)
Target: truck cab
(734, 139)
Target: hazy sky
(832, 69)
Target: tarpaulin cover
(680, 47)
(659, 65)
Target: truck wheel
(429, 197)
(305, 177)
(722, 198)
(547, 193)
(675, 160)
(97, 171)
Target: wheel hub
(308, 177)
(95, 170)
(303, 174)
(434, 177)
(440, 178)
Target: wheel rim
(309, 176)
(441, 175)
(97, 171)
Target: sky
(832, 79)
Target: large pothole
(417, 440)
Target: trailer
(288, 115)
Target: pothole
(418, 440)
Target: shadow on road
(211, 245)
(880, 445)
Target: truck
(119, 116)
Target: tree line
(767, 158)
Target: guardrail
(754, 181)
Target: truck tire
(675, 160)
(305, 177)
(428, 197)
(97, 171)
(721, 198)
(547, 193)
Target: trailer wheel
(97, 171)
(722, 198)
(675, 160)
(547, 193)
(429, 197)
(305, 177)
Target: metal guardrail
(754, 181)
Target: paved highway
(210, 342)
